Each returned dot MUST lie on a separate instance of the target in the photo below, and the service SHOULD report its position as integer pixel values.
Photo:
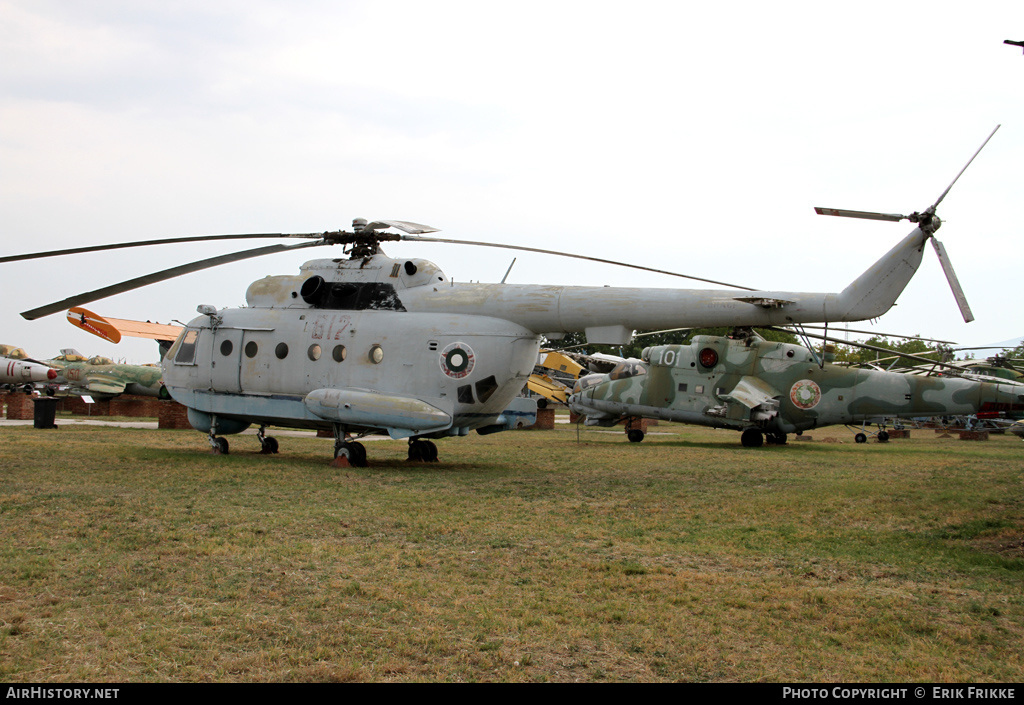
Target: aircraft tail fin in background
(92, 323)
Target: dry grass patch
(137, 555)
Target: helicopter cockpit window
(186, 354)
(587, 382)
(625, 370)
(465, 394)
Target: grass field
(137, 555)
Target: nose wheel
(219, 444)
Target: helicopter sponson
(761, 387)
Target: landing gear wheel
(359, 454)
(352, 451)
(751, 438)
(635, 435)
(268, 444)
(422, 451)
(883, 436)
(431, 455)
(415, 452)
(220, 445)
(860, 438)
(776, 439)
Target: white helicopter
(374, 343)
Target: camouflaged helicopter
(767, 390)
(373, 343)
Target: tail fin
(875, 291)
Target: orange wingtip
(93, 323)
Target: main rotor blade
(884, 335)
(867, 215)
(910, 356)
(984, 347)
(144, 243)
(954, 283)
(569, 254)
(659, 332)
(965, 168)
(160, 276)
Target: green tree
(920, 348)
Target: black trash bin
(45, 412)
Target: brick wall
(19, 406)
(545, 419)
(124, 405)
(171, 414)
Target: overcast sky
(693, 137)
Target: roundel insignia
(457, 360)
(805, 394)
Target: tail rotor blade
(965, 168)
(924, 218)
(866, 215)
(954, 283)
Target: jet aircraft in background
(17, 369)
